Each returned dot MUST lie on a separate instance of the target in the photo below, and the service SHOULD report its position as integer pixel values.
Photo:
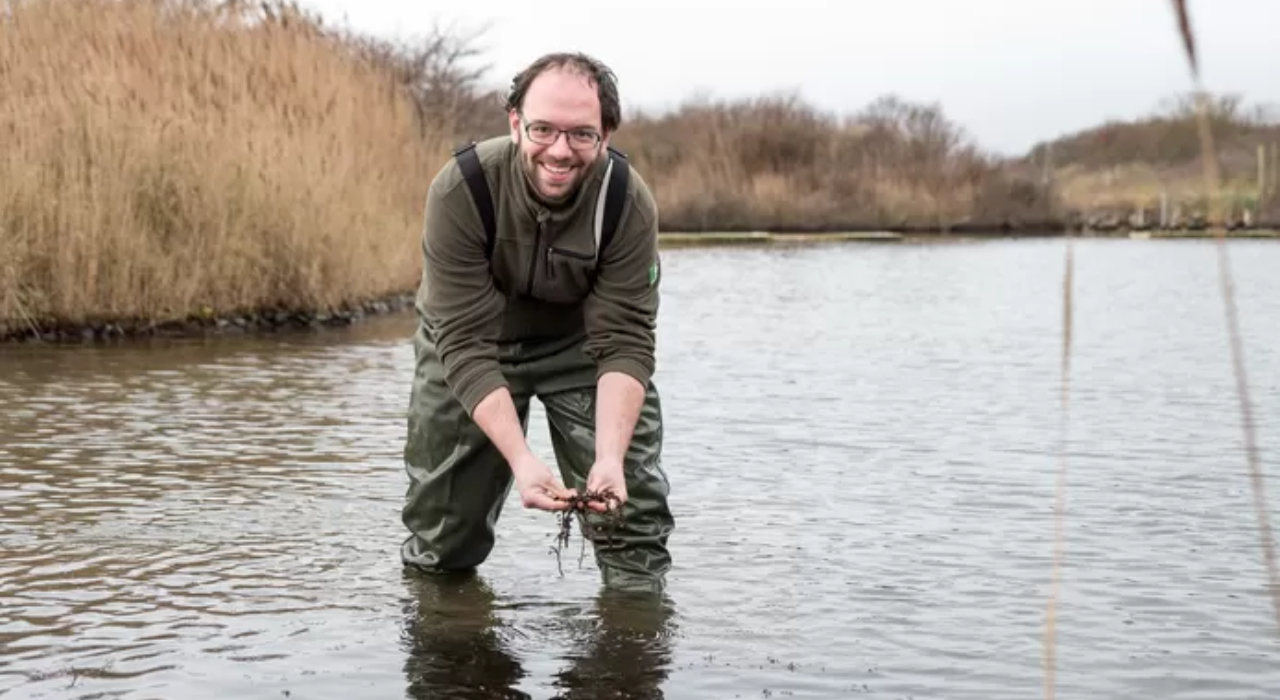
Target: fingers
(543, 492)
(552, 496)
(554, 491)
(611, 504)
(545, 501)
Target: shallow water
(861, 442)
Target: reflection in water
(622, 650)
(455, 640)
(459, 645)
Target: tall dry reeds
(169, 157)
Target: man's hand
(538, 486)
(618, 401)
(607, 475)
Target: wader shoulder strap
(613, 195)
(469, 162)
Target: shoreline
(270, 320)
(273, 320)
(715, 238)
(712, 238)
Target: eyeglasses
(580, 138)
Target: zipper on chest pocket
(552, 250)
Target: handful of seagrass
(589, 521)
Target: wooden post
(1275, 169)
(1262, 174)
(1164, 210)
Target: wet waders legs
(457, 479)
(637, 558)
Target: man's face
(557, 162)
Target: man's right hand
(538, 486)
(496, 416)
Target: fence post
(1275, 169)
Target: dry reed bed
(169, 158)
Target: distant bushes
(777, 163)
(1169, 137)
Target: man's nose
(560, 147)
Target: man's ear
(513, 117)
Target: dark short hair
(599, 74)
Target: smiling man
(540, 279)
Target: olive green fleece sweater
(544, 282)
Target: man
(540, 313)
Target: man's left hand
(607, 475)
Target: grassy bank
(179, 162)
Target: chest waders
(458, 481)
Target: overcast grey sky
(1011, 72)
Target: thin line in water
(1059, 525)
